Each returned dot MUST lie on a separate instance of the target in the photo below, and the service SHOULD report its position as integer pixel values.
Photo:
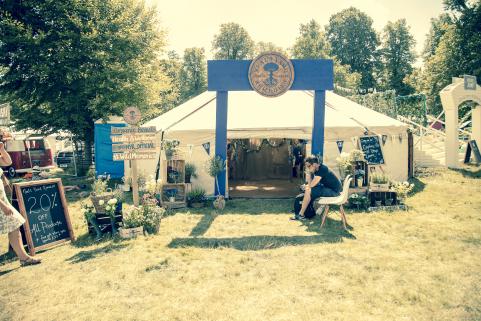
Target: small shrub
(379, 178)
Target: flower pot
(389, 201)
(359, 181)
(219, 202)
(172, 199)
(127, 233)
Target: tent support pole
(317, 141)
(221, 138)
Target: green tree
(232, 42)
(456, 41)
(354, 42)
(312, 44)
(398, 56)
(193, 75)
(69, 63)
(262, 46)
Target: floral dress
(8, 223)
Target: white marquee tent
(251, 115)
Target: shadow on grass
(418, 186)
(92, 254)
(203, 225)
(8, 271)
(469, 171)
(263, 242)
(7, 258)
(246, 207)
(86, 240)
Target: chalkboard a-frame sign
(372, 150)
(44, 207)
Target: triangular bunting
(384, 139)
(206, 147)
(340, 144)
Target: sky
(191, 23)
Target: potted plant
(357, 155)
(170, 147)
(359, 176)
(152, 215)
(89, 214)
(100, 194)
(196, 197)
(171, 193)
(190, 172)
(215, 166)
(379, 182)
(110, 210)
(358, 201)
(344, 164)
(132, 223)
(402, 190)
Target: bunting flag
(206, 147)
(340, 144)
(190, 147)
(400, 138)
(384, 139)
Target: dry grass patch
(252, 263)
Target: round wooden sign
(271, 74)
(132, 115)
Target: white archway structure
(452, 96)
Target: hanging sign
(206, 147)
(132, 156)
(469, 82)
(340, 144)
(138, 147)
(372, 150)
(133, 130)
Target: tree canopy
(232, 42)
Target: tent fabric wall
(251, 115)
(103, 152)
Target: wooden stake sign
(133, 143)
(44, 206)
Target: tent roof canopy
(251, 115)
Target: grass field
(252, 263)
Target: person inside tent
(10, 218)
(321, 182)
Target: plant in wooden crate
(402, 190)
(196, 197)
(110, 209)
(101, 193)
(215, 166)
(359, 176)
(379, 182)
(133, 223)
(170, 148)
(190, 172)
(358, 201)
(89, 214)
(344, 164)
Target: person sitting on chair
(321, 182)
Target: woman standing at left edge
(10, 218)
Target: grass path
(252, 263)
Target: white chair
(337, 200)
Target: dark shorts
(323, 191)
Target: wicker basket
(100, 209)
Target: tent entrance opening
(264, 168)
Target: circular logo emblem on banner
(271, 74)
(132, 115)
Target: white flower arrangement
(402, 189)
(101, 202)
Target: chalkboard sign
(472, 147)
(372, 150)
(44, 207)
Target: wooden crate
(104, 221)
(173, 195)
(174, 171)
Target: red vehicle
(28, 153)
